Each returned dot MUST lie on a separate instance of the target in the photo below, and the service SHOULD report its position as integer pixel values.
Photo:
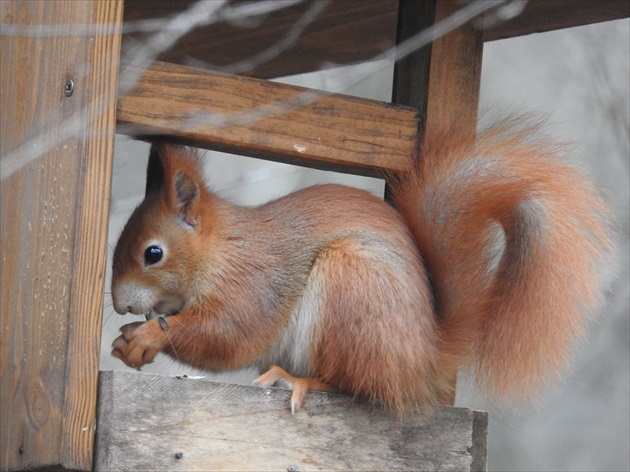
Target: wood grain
(54, 206)
(331, 38)
(152, 422)
(331, 132)
(346, 32)
(454, 78)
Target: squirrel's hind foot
(299, 385)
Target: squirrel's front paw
(139, 343)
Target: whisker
(168, 336)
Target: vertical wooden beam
(411, 73)
(454, 78)
(58, 83)
(441, 80)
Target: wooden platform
(155, 422)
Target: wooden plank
(331, 38)
(549, 15)
(332, 132)
(153, 422)
(54, 206)
(346, 32)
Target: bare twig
(141, 55)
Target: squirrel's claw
(299, 385)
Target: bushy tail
(514, 240)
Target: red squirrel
(489, 260)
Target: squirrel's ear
(186, 197)
(155, 169)
(175, 172)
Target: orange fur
(492, 263)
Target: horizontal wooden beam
(264, 119)
(540, 16)
(346, 32)
(330, 38)
(154, 422)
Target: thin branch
(462, 16)
(200, 13)
(203, 13)
(288, 40)
(228, 13)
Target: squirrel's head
(157, 254)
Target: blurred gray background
(580, 79)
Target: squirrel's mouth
(158, 310)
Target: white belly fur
(292, 350)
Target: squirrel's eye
(152, 255)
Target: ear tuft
(155, 170)
(174, 171)
(186, 197)
(186, 189)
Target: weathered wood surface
(346, 32)
(153, 422)
(332, 132)
(54, 209)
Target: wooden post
(58, 84)
(411, 73)
(440, 80)
(454, 77)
